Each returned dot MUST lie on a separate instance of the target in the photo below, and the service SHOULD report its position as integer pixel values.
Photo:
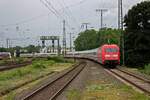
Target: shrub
(19, 60)
(51, 62)
(56, 59)
(147, 69)
(39, 66)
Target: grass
(59, 59)
(14, 77)
(146, 69)
(13, 60)
(11, 96)
(73, 95)
(102, 90)
(112, 92)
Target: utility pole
(101, 12)
(120, 26)
(7, 43)
(70, 42)
(64, 37)
(120, 15)
(86, 25)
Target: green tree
(3, 50)
(109, 36)
(86, 40)
(91, 39)
(32, 48)
(137, 35)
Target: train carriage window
(111, 50)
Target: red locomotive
(108, 54)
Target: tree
(91, 39)
(109, 36)
(32, 48)
(137, 34)
(3, 50)
(86, 40)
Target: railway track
(51, 90)
(137, 81)
(8, 67)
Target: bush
(51, 63)
(56, 59)
(39, 66)
(146, 69)
(19, 60)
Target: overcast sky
(23, 21)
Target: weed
(73, 95)
(56, 59)
(39, 66)
(146, 69)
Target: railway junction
(66, 54)
(85, 80)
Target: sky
(24, 21)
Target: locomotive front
(111, 55)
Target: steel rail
(129, 81)
(13, 66)
(27, 97)
(131, 74)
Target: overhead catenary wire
(40, 16)
(56, 12)
(24, 21)
(77, 4)
(34, 18)
(53, 11)
(52, 7)
(70, 14)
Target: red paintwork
(101, 54)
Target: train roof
(86, 51)
(110, 45)
(4, 52)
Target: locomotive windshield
(108, 50)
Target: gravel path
(92, 73)
(94, 83)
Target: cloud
(13, 11)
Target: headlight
(114, 55)
(107, 55)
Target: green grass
(146, 69)
(59, 59)
(14, 77)
(112, 92)
(13, 60)
(105, 90)
(73, 95)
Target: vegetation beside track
(99, 90)
(112, 92)
(13, 61)
(15, 77)
(136, 36)
(146, 69)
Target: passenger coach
(5, 55)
